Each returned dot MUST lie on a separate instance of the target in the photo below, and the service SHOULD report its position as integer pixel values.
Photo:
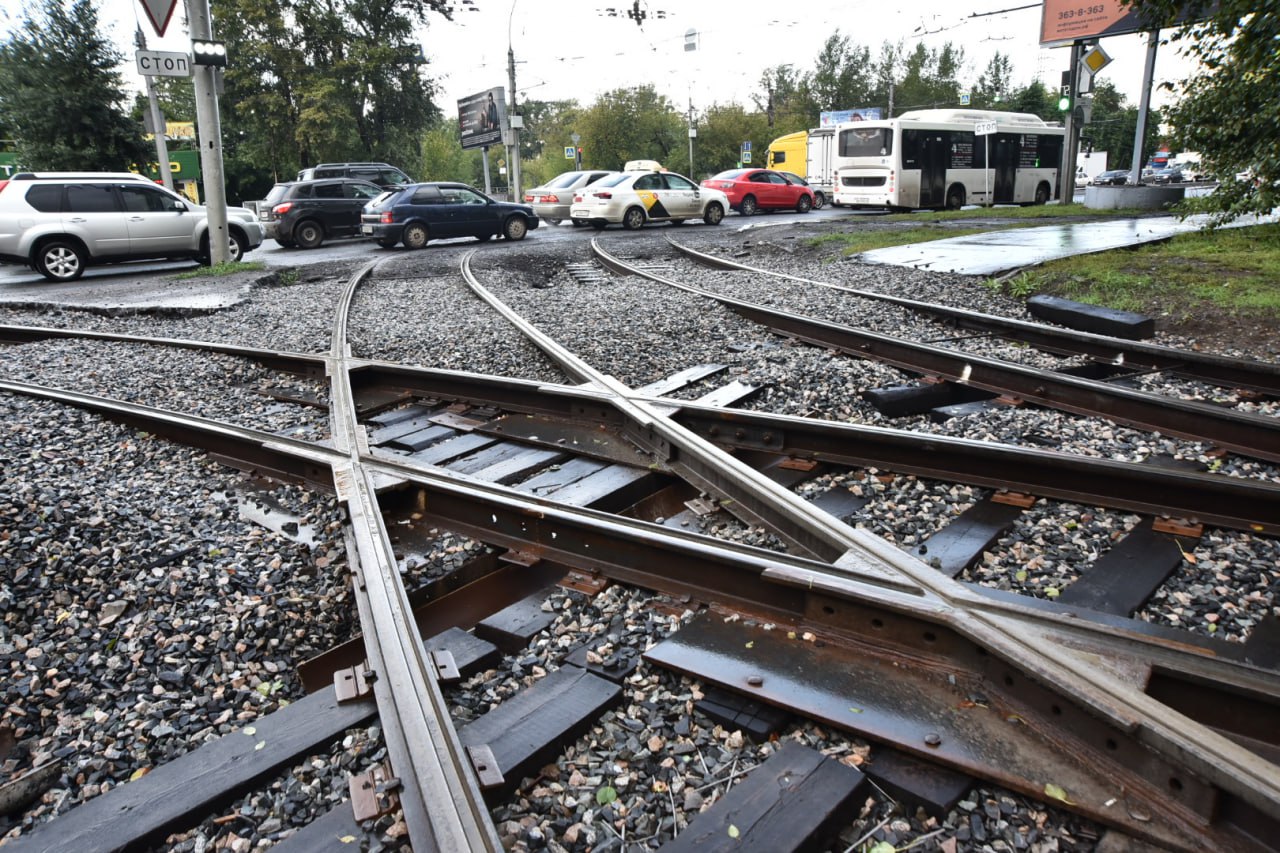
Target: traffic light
(1064, 102)
(209, 53)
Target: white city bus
(933, 159)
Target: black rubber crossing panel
(797, 800)
(438, 454)
(325, 834)
(512, 627)
(900, 401)
(531, 728)
(1091, 318)
(612, 488)
(1262, 647)
(737, 712)
(960, 544)
(421, 437)
(1123, 578)
(914, 783)
(470, 653)
(180, 793)
(551, 481)
(841, 503)
(519, 465)
(485, 457)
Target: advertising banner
(1066, 21)
(831, 118)
(481, 118)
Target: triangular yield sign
(159, 11)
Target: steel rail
(440, 795)
(1244, 433)
(1209, 754)
(1231, 502)
(1214, 369)
(302, 364)
(580, 538)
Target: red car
(750, 190)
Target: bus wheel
(1042, 193)
(955, 197)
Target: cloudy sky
(580, 48)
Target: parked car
(383, 174)
(59, 223)
(1113, 177)
(552, 200)
(1082, 177)
(750, 190)
(634, 198)
(819, 198)
(306, 213)
(1168, 175)
(436, 211)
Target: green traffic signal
(1064, 103)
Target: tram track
(866, 599)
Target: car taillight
(283, 208)
(387, 218)
(552, 199)
(528, 198)
(603, 195)
(3, 184)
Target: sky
(577, 49)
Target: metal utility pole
(209, 130)
(157, 121)
(1140, 132)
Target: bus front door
(933, 170)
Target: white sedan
(634, 198)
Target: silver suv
(62, 222)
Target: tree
(1113, 126)
(1228, 112)
(994, 85)
(310, 82)
(61, 96)
(721, 133)
(630, 124)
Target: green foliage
(61, 96)
(631, 124)
(225, 268)
(1228, 112)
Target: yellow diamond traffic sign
(1095, 60)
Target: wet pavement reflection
(995, 252)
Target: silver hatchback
(62, 223)
(552, 200)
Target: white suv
(62, 222)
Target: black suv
(434, 211)
(306, 213)
(382, 174)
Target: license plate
(862, 199)
(366, 229)
(536, 199)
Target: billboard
(1066, 21)
(481, 118)
(831, 118)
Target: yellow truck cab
(788, 153)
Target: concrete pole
(1067, 180)
(209, 130)
(157, 121)
(515, 131)
(1140, 132)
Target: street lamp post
(513, 119)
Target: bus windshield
(866, 142)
